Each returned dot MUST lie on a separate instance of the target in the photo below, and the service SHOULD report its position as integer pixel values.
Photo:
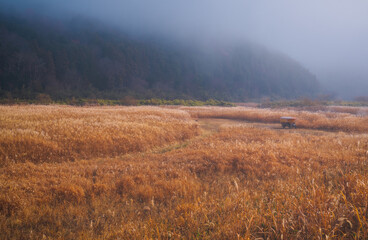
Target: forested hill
(83, 59)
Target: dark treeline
(82, 58)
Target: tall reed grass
(237, 183)
(64, 133)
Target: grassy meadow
(182, 173)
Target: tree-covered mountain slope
(84, 59)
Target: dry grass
(359, 111)
(237, 183)
(335, 121)
(60, 133)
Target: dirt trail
(212, 125)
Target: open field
(183, 173)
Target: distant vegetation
(210, 102)
(86, 60)
(306, 102)
(45, 99)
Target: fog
(329, 37)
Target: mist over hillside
(81, 57)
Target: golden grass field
(182, 173)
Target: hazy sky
(329, 37)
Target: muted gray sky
(329, 37)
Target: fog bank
(328, 37)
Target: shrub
(43, 98)
(125, 185)
(68, 192)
